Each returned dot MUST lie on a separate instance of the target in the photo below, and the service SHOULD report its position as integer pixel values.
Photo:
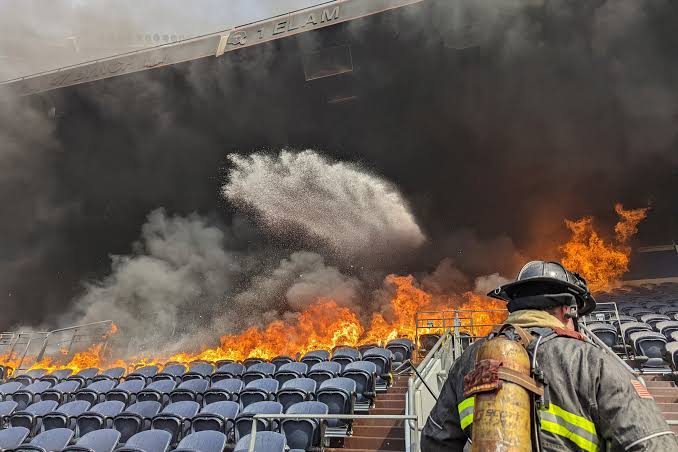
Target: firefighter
(590, 401)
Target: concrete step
(665, 398)
(671, 416)
(374, 443)
(668, 407)
(383, 432)
(378, 423)
(660, 384)
(393, 390)
(396, 396)
(390, 403)
(387, 411)
(663, 391)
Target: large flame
(601, 262)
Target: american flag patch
(641, 390)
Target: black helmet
(547, 278)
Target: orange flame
(601, 262)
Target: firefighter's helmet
(547, 278)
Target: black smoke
(494, 125)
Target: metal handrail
(404, 417)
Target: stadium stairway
(665, 393)
(380, 434)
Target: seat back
(264, 442)
(198, 370)
(605, 332)
(338, 394)
(11, 438)
(205, 441)
(229, 370)
(363, 373)
(218, 416)
(98, 416)
(243, 422)
(191, 389)
(223, 390)
(258, 391)
(295, 391)
(650, 344)
(175, 418)
(303, 433)
(126, 390)
(157, 391)
(148, 441)
(171, 372)
(61, 391)
(135, 418)
(145, 373)
(279, 361)
(95, 392)
(97, 441)
(65, 415)
(53, 440)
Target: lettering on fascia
(303, 21)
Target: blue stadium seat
(345, 355)
(65, 415)
(222, 362)
(6, 409)
(176, 418)
(295, 391)
(383, 359)
(148, 441)
(61, 392)
(172, 372)
(224, 390)
(279, 361)
(304, 434)
(291, 370)
(339, 396)
(650, 344)
(9, 388)
(364, 374)
(605, 332)
(114, 373)
(324, 370)
(99, 416)
(672, 354)
(57, 376)
(401, 349)
(157, 391)
(136, 418)
(243, 422)
(227, 371)
(667, 327)
(668, 311)
(95, 392)
(145, 373)
(50, 441)
(427, 342)
(11, 438)
(85, 376)
(199, 370)
(96, 441)
(632, 327)
(263, 442)
(29, 394)
(191, 389)
(28, 377)
(31, 416)
(257, 371)
(315, 357)
(638, 312)
(259, 391)
(206, 441)
(653, 319)
(249, 362)
(126, 391)
(217, 416)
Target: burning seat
(258, 391)
(650, 344)
(175, 418)
(223, 390)
(11, 438)
(364, 374)
(315, 357)
(145, 373)
(158, 391)
(85, 376)
(172, 372)
(51, 440)
(427, 342)
(95, 392)
(304, 434)
(291, 370)
(192, 389)
(57, 376)
(98, 441)
(229, 370)
(29, 394)
(324, 370)
(136, 418)
(345, 355)
(198, 370)
(401, 349)
(339, 396)
(383, 359)
(126, 390)
(61, 392)
(99, 416)
(257, 371)
(206, 441)
(31, 416)
(65, 415)
(243, 422)
(148, 441)
(296, 390)
(605, 332)
(263, 442)
(217, 416)
(280, 361)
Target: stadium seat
(199, 370)
(95, 392)
(650, 344)
(229, 370)
(668, 310)
(364, 374)
(672, 354)
(222, 362)
(217, 416)
(363, 348)
(383, 359)
(295, 391)
(65, 415)
(653, 319)
(401, 349)
(638, 312)
(145, 373)
(427, 342)
(249, 362)
(345, 355)
(605, 332)
(57, 376)
(85, 376)
(632, 327)
(157, 391)
(172, 372)
(291, 370)
(99, 416)
(263, 442)
(623, 318)
(11, 438)
(96, 441)
(61, 392)
(315, 357)
(7, 389)
(206, 441)
(49, 441)
(136, 418)
(29, 394)
(6, 409)
(31, 416)
(176, 418)
(259, 391)
(324, 371)
(126, 391)
(148, 441)
(279, 361)
(304, 434)
(224, 390)
(339, 396)
(257, 371)
(667, 327)
(114, 373)
(192, 389)
(243, 422)
(28, 377)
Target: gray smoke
(356, 213)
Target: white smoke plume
(487, 283)
(355, 212)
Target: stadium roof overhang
(212, 45)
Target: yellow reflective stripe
(558, 429)
(573, 419)
(466, 412)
